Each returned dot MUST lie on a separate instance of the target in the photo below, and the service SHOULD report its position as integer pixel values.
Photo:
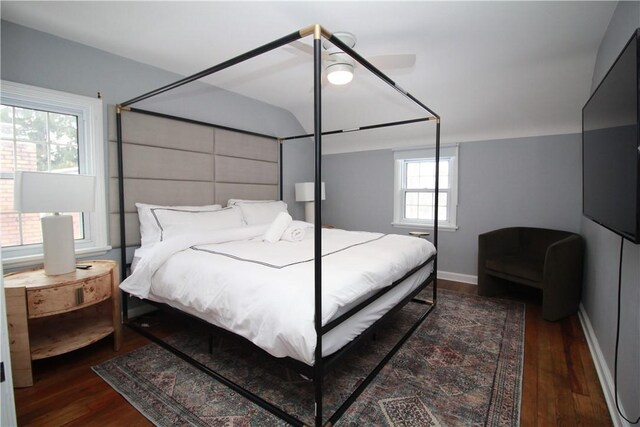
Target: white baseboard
(604, 374)
(457, 277)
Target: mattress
(264, 292)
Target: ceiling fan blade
(298, 47)
(389, 62)
(303, 47)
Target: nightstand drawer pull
(79, 296)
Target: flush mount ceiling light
(340, 73)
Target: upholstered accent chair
(550, 260)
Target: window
(415, 180)
(49, 131)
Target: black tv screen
(611, 148)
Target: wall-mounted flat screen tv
(611, 147)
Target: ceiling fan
(339, 67)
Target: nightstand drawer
(59, 299)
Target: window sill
(420, 226)
(30, 260)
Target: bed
(306, 303)
(278, 277)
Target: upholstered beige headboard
(173, 162)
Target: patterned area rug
(463, 366)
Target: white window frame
(91, 157)
(401, 158)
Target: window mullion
(15, 168)
(20, 227)
(13, 140)
(47, 146)
(403, 195)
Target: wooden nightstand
(52, 315)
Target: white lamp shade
(340, 73)
(305, 190)
(40, 192)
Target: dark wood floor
(560, 384)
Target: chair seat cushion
(519, 266)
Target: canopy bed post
(435, 218)
(280, 158)
(318, 371)
(123, 246)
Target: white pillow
(149, 230)
(175, 223)
(257, 212)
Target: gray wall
(603, 251)
(40, 59)
(526, 181)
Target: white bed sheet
(138, 254)
(264, 292)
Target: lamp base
(58, 245)
(309, 212)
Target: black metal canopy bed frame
(315, 372)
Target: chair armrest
(562, 282)
(564, 260)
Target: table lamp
(43, 192)
(304, 193)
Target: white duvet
(265, 291)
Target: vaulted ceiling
(490, 69)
